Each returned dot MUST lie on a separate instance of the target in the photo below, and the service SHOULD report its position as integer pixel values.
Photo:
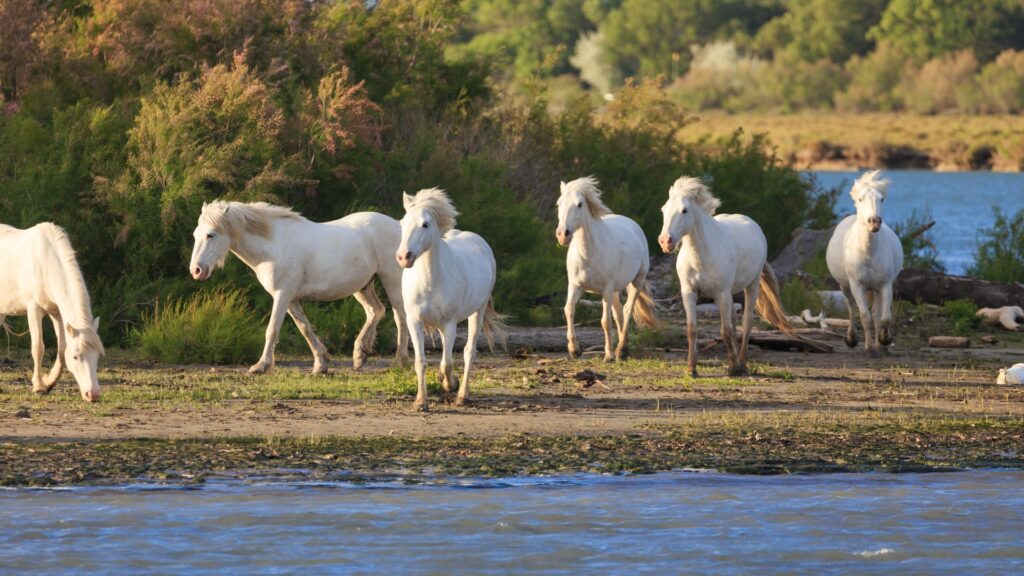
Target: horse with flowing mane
(449, 275)
(719, 256)
(865, 256)
(40, 278)
(607, 253)
(295, 259)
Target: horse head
(428, 215)
(578, 201)
(868, 194)
(81, 355)
(685, 196)
(212, 241)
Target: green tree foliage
(924, 29)
(813, 30)
(1000, 252)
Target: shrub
(1002, 83)
(918, 250)
(961, 314)
(999, 256)
(873, 79)
(943, 83)
(217, 327)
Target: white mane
(870, 181)
(234, 218)
(75, 286)
(690, 187)
(435, 201)
(588, 187)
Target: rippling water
(960, 203)
(956, 523)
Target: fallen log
(949, 342)
(935, 288)
(780, 341)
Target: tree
(18, 50)
(814, 29)
(924, 29)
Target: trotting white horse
(295, 259)
(448, 278)
(865, 256)
(39, 276)
(607, 253)
(719, 256)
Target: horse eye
(684, 210)
(76, 357)
(579, 205)
(210, 235)
(426, 224)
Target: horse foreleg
(445, 372)
(851, 330)
(469, 353)
(321, 359)
(750, 295)
(571, 298)
(374, 312)
(392, 284)
(606, 312)
(417, 337)
(860, 295)
(726, 312)
(690, 305)
(277, 312)
(62, 344)
(621, 328)
(884, 301)
(35, 328)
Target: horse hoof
(574, 354)
(462, 401)
(319, 369)
(420, 407)
(693, 374)
(258, 369)
(738, 371)
(851, 342)
(41, 391)
(885, 338)
(609, 359)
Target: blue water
(960, 203)
(681, 522)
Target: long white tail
(769, 302)
(494, 327)
(645, 308)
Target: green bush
(217, 327)
(961, 314)
(918, 251)
(999, 256)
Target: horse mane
(870, 181)
(435, 201)
(693, 188)
(588, 187)
(237, 217)
(75, 285)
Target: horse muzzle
(874, 224)
(563, 236)
(406, 259)
(199, 272)
(91, 395)
(666, 243)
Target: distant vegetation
(120, 117)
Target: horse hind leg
(35, 328)
(606, 312)
(621, 328)
(469, 353)
(445, 373)
(750, 295)
(321, 360)
(363, 345)
(725, 310)
(851, 330)
(885, 330)
(392, 284)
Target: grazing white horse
(448, 278)
(295, 259)
(865, 256)
(719, 256)
(607, 253)
(39, 276)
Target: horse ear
(69, 329)
(204, 206)
(96, 323)
(561, 186)
(406, 200)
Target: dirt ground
(532, 393)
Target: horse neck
(593, 236)
(252, 248)
(705, 236)
(862, 239)
(67, 288)
(432, 263)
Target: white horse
(449, 277)
(719, 256)
(607, 253)
(865, 256)
(40, 276)
(295, 259)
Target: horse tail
(494, 327)
(645, 308)
(769, 304)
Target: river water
(669, 523)
(960, 203)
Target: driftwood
(1008, 317)
(780, 341)
(936, 288)
(806, 243)
(949, 342)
